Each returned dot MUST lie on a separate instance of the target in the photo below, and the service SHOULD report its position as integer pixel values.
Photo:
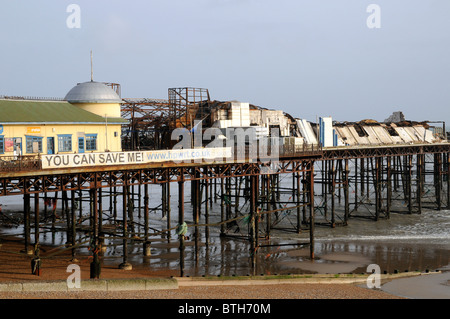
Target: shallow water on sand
(433, 286)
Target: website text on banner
(121, 158)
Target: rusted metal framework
(95, 181)
(151, 121)
(20, 163)
(384, 151)
(184, 105)
(373, 183)
(117, 178)
(115, 86)
(147, 127)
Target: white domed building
(95, 97)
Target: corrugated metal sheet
(360, 140)
(346, 136)
(395, 139)
(427, 135)
(413, 134)
(306, 131)
(382, 134)
(403, 134)
(372, 136)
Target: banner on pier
(136, 157)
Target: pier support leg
(146, 248)
(419, 186)
(80, 204)
(211, 192)
(207, 211)
(45, 205)
(268, 216)
(311, 208)
(125, 265)
(253, 221)
(394, 174)
(389, 187)
(222, 207)
(377, 188)
(110, 202)
(409, 181)
(196, 201)
(333, 194)
(130, 209)
(26, 210)
(304, 193)
(339, 173)
(356, 185)
(36, 261)
(362, 177)
(326, 188)
(438, 179)
(346, 192)
(163, 200)
(168, 208)
(95, 264)
(448, 180)
(100, 221)
(181, 222)
(299, 217)
(404, 178)
(139, 199)
(367, 171)
(73, 224)
(115, 204)
(237, 188)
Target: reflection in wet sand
(404, 242)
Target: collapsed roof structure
(374, 133)
(328, 133)
(187, 107)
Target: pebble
(273, 291)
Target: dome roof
(92, 92)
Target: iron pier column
(181, 222)
(125, 265)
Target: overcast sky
(309, 58)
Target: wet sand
(284, 253)
(15, 267)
